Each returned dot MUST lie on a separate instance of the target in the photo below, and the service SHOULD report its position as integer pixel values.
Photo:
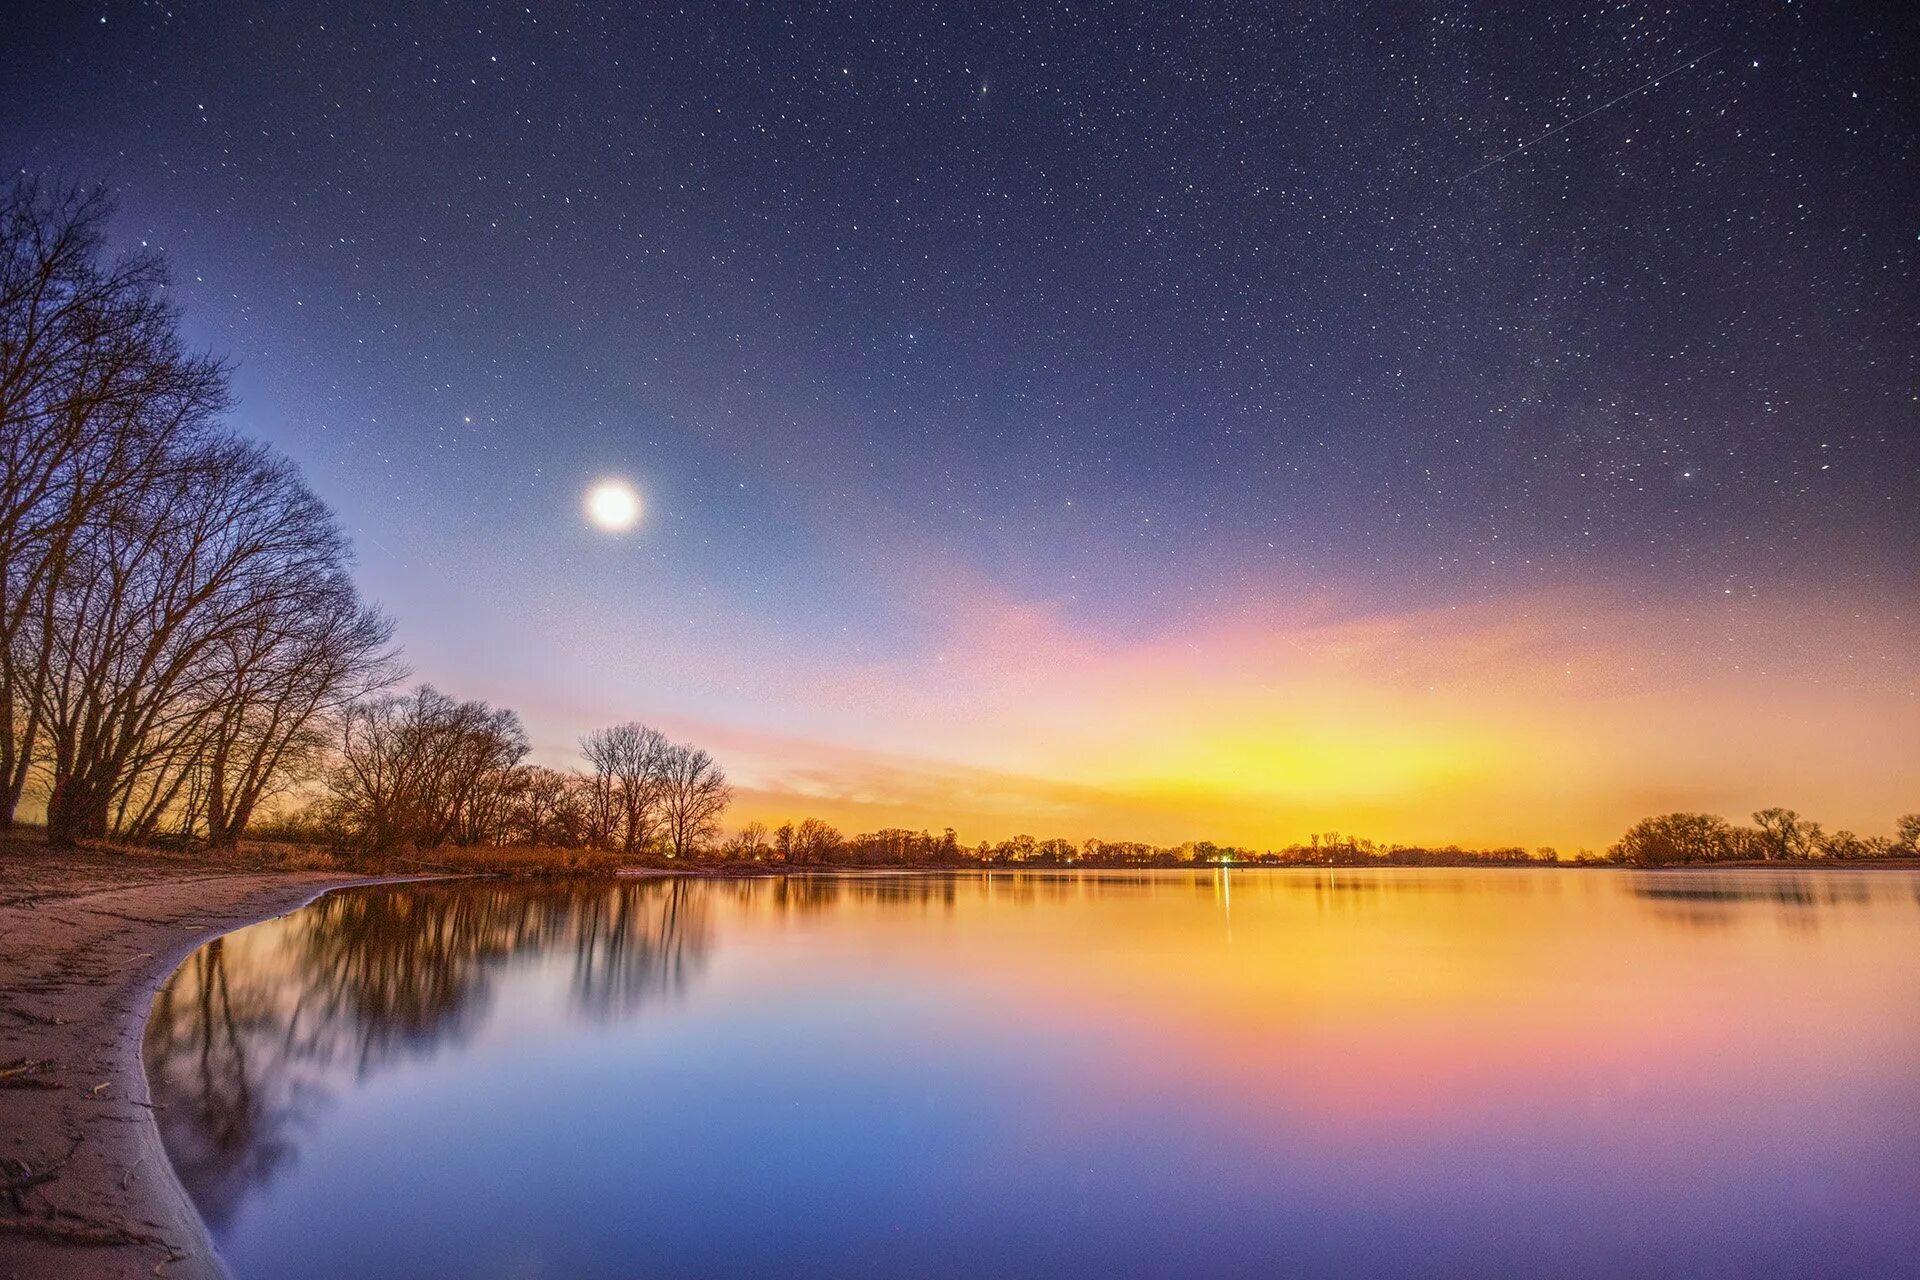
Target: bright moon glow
(613, 505)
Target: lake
(1113, 1074)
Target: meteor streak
(1596, 111)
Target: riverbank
(86, 938)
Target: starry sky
(1479, 422)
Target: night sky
(1478, 422)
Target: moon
(613, 506)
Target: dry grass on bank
(26, 860)
(508, 860)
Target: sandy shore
(85, 1186)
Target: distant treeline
(1777, 835)
(816, 843)
(558, 820)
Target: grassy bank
(25, 856)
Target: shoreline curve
(77, 1122)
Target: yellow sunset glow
(1548, 722)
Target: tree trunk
(16, 762)
(76, 811)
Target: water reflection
(1115, 1073)
(243, 1043)
(1801, 899)
(815, 894)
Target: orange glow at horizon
(1551, 720)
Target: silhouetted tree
(693, 794)
(628, 763)
(177, 620)
(98, 401)
(413, 767)
(751, 842)
(282, 681)
(1673, 837)
(815, 841)
(1779, 834)
(550, 809)
(227, 542)
(1784, 834)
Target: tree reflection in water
(1710, 900)
(242, 1040)
(252, 1033)
(881, 1048)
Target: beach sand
(85, 941)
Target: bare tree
(815, 841)
(1785, 834)
(262, 718)
(751, 842)
(227, 541)
(1674, 837)
(599, 803)
(177, 619)
(694, 793)
(284, 682)
(551, 812)
(98, 397)
(628, 767)
(422, 769)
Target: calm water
(1250, 1073)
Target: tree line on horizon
(1780, 835)
(1777, 835)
